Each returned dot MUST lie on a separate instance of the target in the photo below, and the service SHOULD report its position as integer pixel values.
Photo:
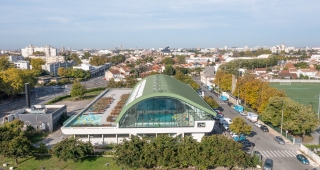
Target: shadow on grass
(25, 160)
(90, 158)
(42, 157)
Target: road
(41, 95)
(282, 155)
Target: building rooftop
(162, 85)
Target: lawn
(86, 96)
(304, 93)
(52, 163)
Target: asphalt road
(283, 156)
(41, 95)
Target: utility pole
(319, 105)
(282, 116)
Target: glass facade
(162, 112)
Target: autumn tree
(72, 149)
(211, 102)
(36, 63)
(223, 80)
(4, 63)
(62, 72)
(13, 80)
(181, 59)
(77, 90)
(239, 126)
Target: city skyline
(151, 24)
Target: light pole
(319, 105)
(281, 117)
(254, 145)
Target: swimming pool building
(158, 104)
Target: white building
(104, 52)
(307, 72)
(207, 76)
(315, 57)
(52, 68)
(94, 70)
(48, 51)
(49, 60)
(278, 48)
(158, 105)
(19, 62)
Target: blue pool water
(87, 119)
(168, 117)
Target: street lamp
(254, 145)
(107, 164)
(281, 116)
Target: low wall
(310, 154)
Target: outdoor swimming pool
(87, 119)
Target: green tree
(72, 149)
(78, 89)
(167, 61)
(211, 102)
(62, 72)
(4, 63)
(86, 55)
(240, 126)
(169, 70)
(181, 59)
(13, 141)
(36, 63)
(75, 58)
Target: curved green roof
(166, 86)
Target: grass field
(304, 93)
(52, 163)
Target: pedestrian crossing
(278, 153)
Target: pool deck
(116, 94)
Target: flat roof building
(158, 104)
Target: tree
(167, 61)
(169, 70)
(211, 102)
(86, 55)
(4, 63)
(62, 72)
(36, 63)
(75, 58)
(13, 141)
(78, 89)
(72, 149)
(239, 126)
(13, 80)
(181, 59)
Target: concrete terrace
(116, 94)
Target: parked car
(246, 143)
(279, 140)
(257, 124)
(264, 128)
(226, 127)
(268, 164)
(218, 111)
(243, 113)
(302, 159)
(218, 117)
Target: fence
(289, 137)
(310, 153)
(293, 81)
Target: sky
(105, 24)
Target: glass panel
(162, 112)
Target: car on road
(302, 159)
(218, 111)
(268, 164)
(246, 143)
(264, 128)
(279, 140)
(243, 113)
(218, 117)
(257, 124)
